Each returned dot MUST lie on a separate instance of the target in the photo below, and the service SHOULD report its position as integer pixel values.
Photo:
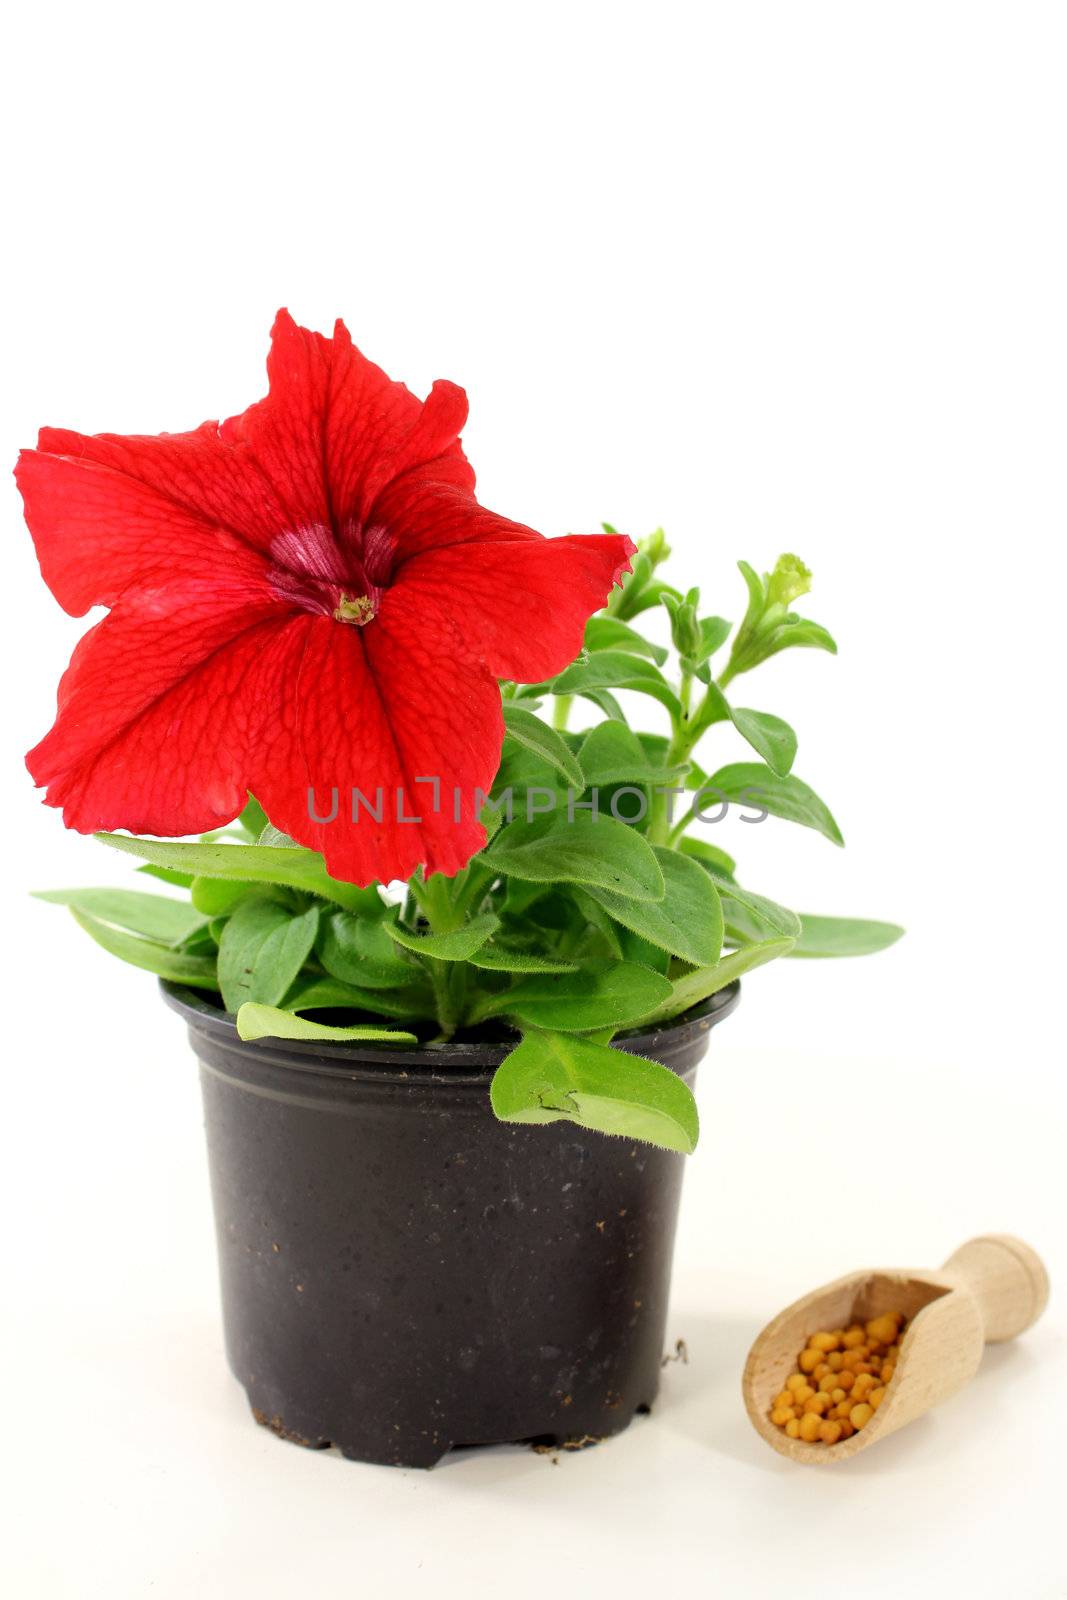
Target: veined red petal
(99, 532)
(423, 515)
(194, 473)
(164, 707)
(106, 509)
(519, 604)
(181, 701)
(334, 429)
(375, 710)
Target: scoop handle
(1007, 1279)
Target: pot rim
(431, 1062)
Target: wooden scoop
(991, 1289)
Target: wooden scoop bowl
(991, 1289)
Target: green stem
(686, 734)
(659, 824)
(682, 741)
(569, 941)
(437, 903)
(443, 912)
(685, 689)
(447, 1011)
(482, 1009)
(420, 893)
(561, 710)
(679, 828)
(469, 898)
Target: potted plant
(448, 966)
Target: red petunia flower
(307, 597)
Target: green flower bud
(685, 629)
(655, 547)
(789, 580)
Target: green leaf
(844, 936)
(799, 631)
(549, 1078)
(607, 633)
(687, 921)
(746, 913)
(274, 836)
(495, 957)
(606, 702)
(256, 1021)
(709, 855)
(650, 595)
(610, 931)
(656, 747)
(297, 868)
(693, 987)
(198, 971)
(769, 736)
(520, 895)
(523, 772)
(491, 820)
(633, 948)
(360, 950)
(617, 669)
(757, 596)
(253, 819)
(219, 897)
(714, 632)
(261, 951)
(753, 914)
(330, 994)
(696, 777)
(752, 784)
(612, 754)
(535, 735)
(180, 880)
(599, 995)
(153, 916)
(458, 945)
(588, 851)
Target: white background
(779, 277)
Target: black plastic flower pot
(401, 1273)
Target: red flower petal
(521, 607)
(194, 473)
(165, 705)
(334, 430)
(519, 601)
(376, 709)
(424, 514)
(106, 510)
(185, 698)
(99, 532)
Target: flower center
(342, 578)
(360, 610)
